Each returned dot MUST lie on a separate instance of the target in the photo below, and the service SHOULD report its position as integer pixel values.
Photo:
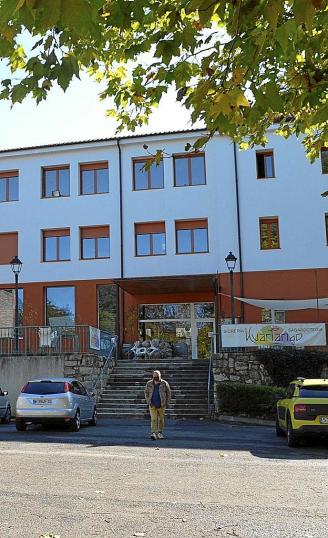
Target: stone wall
(240, 367)
(15, 371)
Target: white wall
(294, 195)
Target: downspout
(238, 229)
(121, 291)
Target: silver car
(57, 400)
(5, 410)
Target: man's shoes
(160, 435)
(153, 436)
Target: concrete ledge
(245, 420)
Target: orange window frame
(191, 225)
(149, 228)
(95, 233)
(268, 221)
(93, 167)
(7, 176)
(57, 169)
(265, 153)
(145, 160)
(189, 156)
(56, 234)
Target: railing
(109, 362)
(55, 340)
(210, 388)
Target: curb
(245, 420)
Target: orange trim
(91, 232)
(56, 232)
(101, 165)
(191, 224)
(10, 173)
(149, 227)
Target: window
(150, 178)
(107, 307)
(326, 222)
(56, 245)
(191, 236)
(60, 306)
(264, 164)
(8, 247)
(189, 170)
(94, 178)
(269, 233)
(95, 242)
(7, 307)
(150, 239)
(8, 186)
(324, 160)
(272, 316)
(55, 181)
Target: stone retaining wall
(86, 368)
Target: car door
(3, 403)
(80, 399)
(283, 406)
(87, 400)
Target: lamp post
(231, 264)
(16, 266)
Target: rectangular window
(272, 316)
(56, 245)
(8, 247)
(7, 307)
(144, 177)
(9, 186)
(189, 170)
(107, 307)
(324, 160)
(269, 233)
(264, 164)
(94, 178)
(55, 181)
(95, 242)
(60, 306)
(150, 238)
(191, 236)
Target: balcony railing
(38, 340)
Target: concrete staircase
(124, 394)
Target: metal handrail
(109, 359)
(209, 388)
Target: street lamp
(16, 266)
(231, 264)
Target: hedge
(284, 365)
(239, 399)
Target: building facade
(137, 249)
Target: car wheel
(279, 431)
(76, 422)
(93, 421)
(292, 438)
(6, 418)
(21, 426)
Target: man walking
(158, 396)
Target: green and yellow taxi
(303, 410)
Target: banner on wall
(94, 338)
(273, 334)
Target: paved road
(204, 480)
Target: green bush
(248, 400)
(287, 364)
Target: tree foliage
(238, 65)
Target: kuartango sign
(291, 334)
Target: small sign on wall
(94, 338)
(274, 334)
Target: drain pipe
(121, 291)
(238, 229)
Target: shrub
(250, 400)
(287, 364)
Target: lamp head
(231, 261)
(16, 265)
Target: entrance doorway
(188, 326)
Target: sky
(77, 114)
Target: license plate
(323, 420)
(42, 401)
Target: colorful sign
(273, 334)
(94, 335)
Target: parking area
(205, 479)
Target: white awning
(282, 304)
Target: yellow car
(304, 410)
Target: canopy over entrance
(285, 304)
(166, 284)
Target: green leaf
(238, 98)
(304, 11)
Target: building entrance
(188, 326)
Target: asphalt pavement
(206, 479)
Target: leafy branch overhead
(237, 65)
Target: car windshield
(44, 387)
(315, 391)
